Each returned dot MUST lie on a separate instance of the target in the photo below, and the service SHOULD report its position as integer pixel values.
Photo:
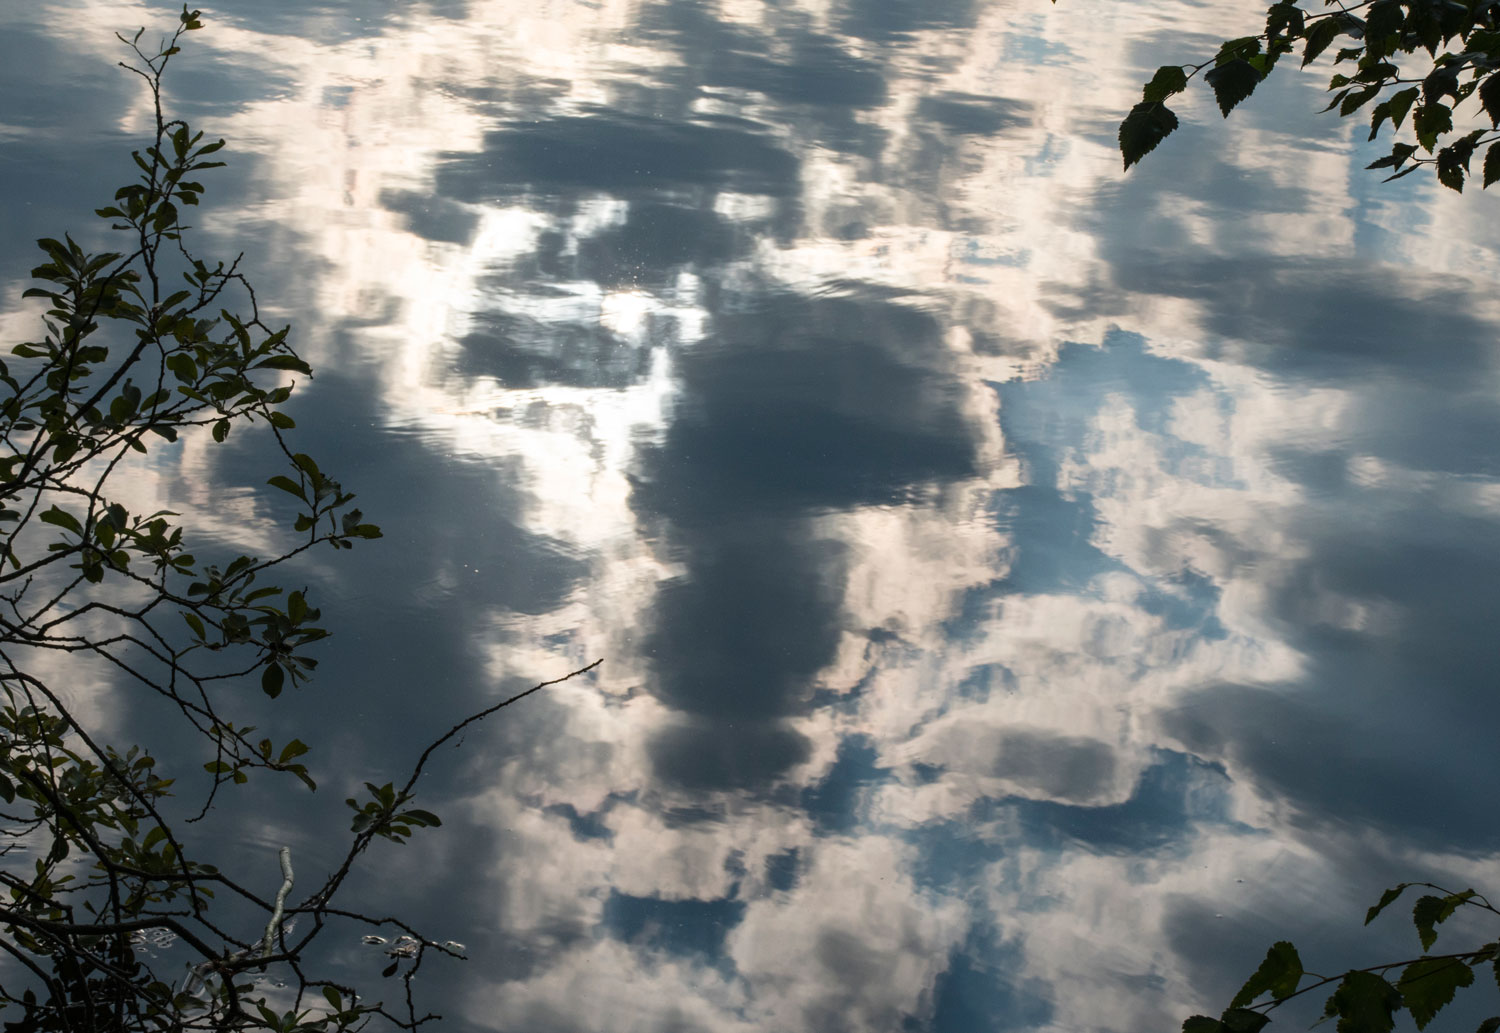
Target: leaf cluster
(1367, 1000)
(1418, 58)
(91, 853)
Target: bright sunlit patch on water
(625, 312)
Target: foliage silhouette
(1364, 1000)
(1454, 45)
(93, 861)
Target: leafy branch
(91, 856)
(1364, 1000)
(1376, 38)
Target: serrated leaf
(1364, 1003)
(1146, 126)
(1169, 79)
(1430, 122)
(1383, 18)
(1279, 974)
(1393, 107)
(1424, 915)
(1232, 82)
(1430, 912)
(1286, 16)
(1318, 37)
(1450, 169)
(1489, 97)
(1429, 984)
(1492, 164)
(1352, 102)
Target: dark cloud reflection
(803, 406)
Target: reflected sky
(1025, 590)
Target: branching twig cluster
(90, 859)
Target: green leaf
(221, 430)
(1492, 164)
(1429, 984)
(1430, 122)
(1364, 1003)
(66, 448)
(1244, 1020)
(1169, 79)
(1319, 36)
(183, 367)
(1489, 1025)
(292, 750)
(62, 518)
(1393, 107)
(1279, 974)
(272, 680)
(1356, 100)
(1383, 18)
(280, 420)
(290, 362)
(1431, 912)
(422, 817)
(1425, 917)
(1401, 103)
(1146, 126)
(288, 485)
(1232, 82)
(1285, 16)
(1450, 169)
(1489, 97)
(1239, 47)
(195, 623)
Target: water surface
(1025, 590)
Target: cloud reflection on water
(996, 561)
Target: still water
(1025, 590)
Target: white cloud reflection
(1017, 651)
